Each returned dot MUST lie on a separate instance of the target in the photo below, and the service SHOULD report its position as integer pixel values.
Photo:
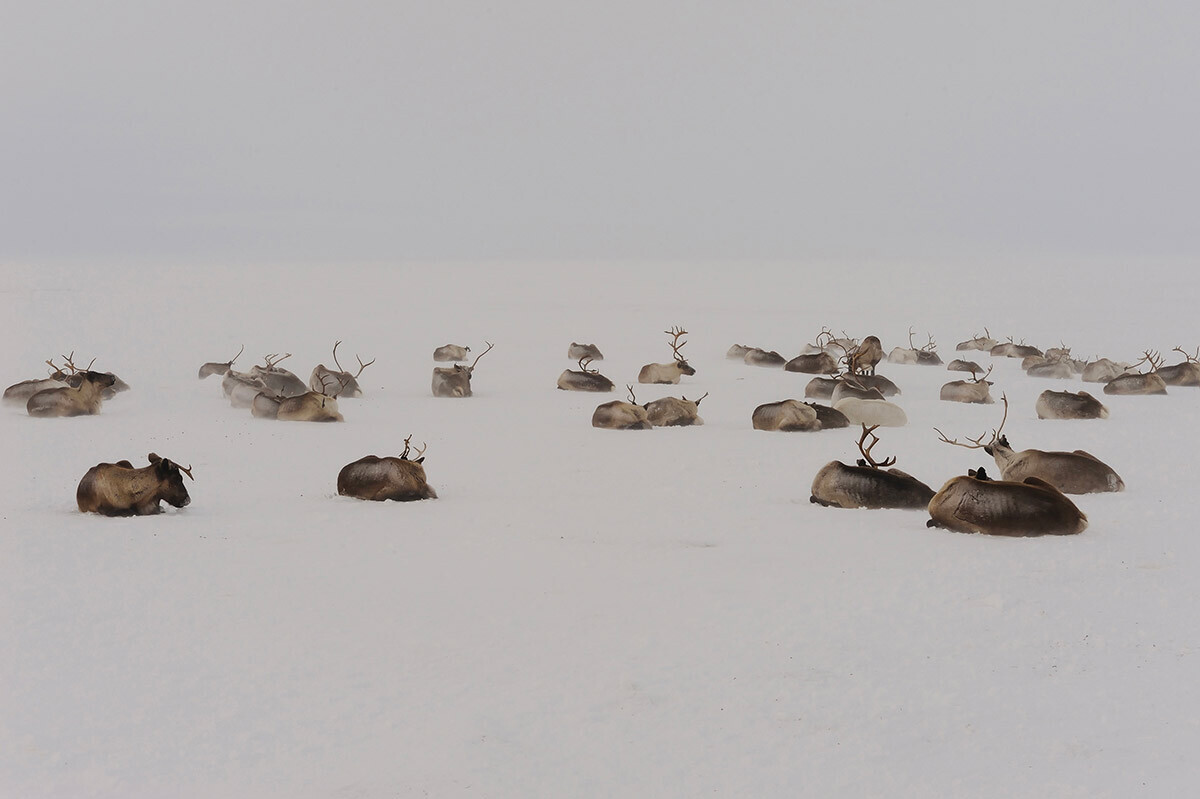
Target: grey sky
(384, 130)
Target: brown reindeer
(1068, 405)
(22, 391)
(118, 489)
(621, 415)
(925, 355)
(348, 383)
(585, 379)
(869, 483)
(373, 478)
(219, 367)
(278, 379)
(450, 352)
(311, 406)
(674, 412)
(787, 415)
(1103, 370)
(982, 343)
(756, 356)
(455, 381)
(1075, 472)
(668, 372)
(1148, 382)
(577, 352)
(977, 504)
(1011, 350)
(1182, 374)
(82, 396)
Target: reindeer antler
(187, 471)
(480, 355)
(986, 374)
(676, 344)
(584, 362)
(69, 362)
(271, 363)
(234, 358)
(420, 452)
(1190, 358)
(866, 450)
(685, 399)
(361, 365)
(977, 442)
(1152, 359)
(632, 397)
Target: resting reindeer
(1142, 383)
(977, 504)
(757, 356)
(868, 484)
(22, 391)
(577, 352)
(219, 368)
(674, 412)
(621, 415)
(82, 398)
(585, 379)
(1103, 370)
(982, 343)
(668, 372)
(1010, 350)
(925, 355)
(348, 383)
(277, 379)
(118, 489)
(1075, 472)
(818, 358)
(977, 390)
(787, 415)
(1067, 405)
(311, 406)
(400, 479)
(451, 352)
(455, 381)
(1182, 374)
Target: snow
(585, 612)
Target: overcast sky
(615, 129)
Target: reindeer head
(676, 346)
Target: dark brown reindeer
(585, 379)
(621, 415)
(818, 358)
(455, 381)
(1068, 405)
(219, 368)
(348, 382)
(668, 372)
(977, 504)
(977, 390)
(961, 365)
(118, 489)
(1143, 383)
(1182, 374)
(1075, 472)
(869, 483)
(401, 479)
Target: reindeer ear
(420, 459)
(153, 458)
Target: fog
(617, 130)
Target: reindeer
(737, 352)
(621, 415)
(1182, 374)
(455, 381)
(819, 363)
(577, 352)
(22, 391)
(373, 478)
(348, 382)
(311, 406)
(219, 368)
(82, 396)
(277, 379)
(118, 489)
(869, 483)
(756, 356)
(451, 352)
(1011, 350)
(668, 372)
(875, 412)
(849, 386)
(980, 343)
(977, 504)
(1103, 370)
(975, 391)
(787, 415)
(1056, 363)
(585, 379)
(960, 365)
(1065, 405)
(241, 388)
(673, 412)
(1148, 382)
(1075, 472)
(863, 359)
(925, 355)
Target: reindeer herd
(1029, 498)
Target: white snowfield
(586, 612)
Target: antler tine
(996, 433)
(53, 369)
(584, 363)
(69, 361)
(404, 454)
(480, 355)
(240, 351)
(632, 397)
(676, 344)
(88, 368)
(931, 345)
(187, 471)
(698, 401)
(986, 374)
(976, 443)
(362, 365)
(910, 341)
(421, 451)
(866, 450)
(1188, 357)
(335, 360)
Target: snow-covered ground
(585, 612)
